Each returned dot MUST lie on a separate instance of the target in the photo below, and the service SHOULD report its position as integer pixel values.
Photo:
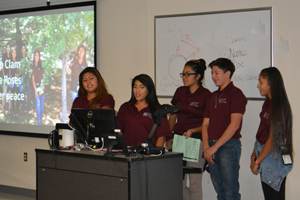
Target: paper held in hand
(189, 147)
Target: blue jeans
(224, 172)
(26, 104)
(39, 102)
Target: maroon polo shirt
(76, 70)
(192, 108)
(83, 102)
(4, 59)
(263, 131)
(14, 70)
(220, 107)
(38, 73)
(136, 125)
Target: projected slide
(42, 54)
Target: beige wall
(126, 48)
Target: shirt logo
(146, 114)
(195, 104)
(266, 115)
(223, 100)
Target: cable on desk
(138, 159)
(87, 146)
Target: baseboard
(18, 191)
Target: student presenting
(192, 99)
(221, 129)
(92, 93)
(135, 116)
(274, 143)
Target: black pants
(271, 194)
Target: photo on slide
(42, 54)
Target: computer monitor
(92, 124)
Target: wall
(126, 48)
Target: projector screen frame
(27, 11)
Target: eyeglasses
(186, 75)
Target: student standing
(37, 77)
(221, 129)
(135, 116)
(92, 93)
(25, 86)
(192, 99)
(77, 65)
(274, 136)
(14, 74)
(5, 70)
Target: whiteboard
(244, 36)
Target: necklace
(216, 99)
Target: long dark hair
(21, 53)
(281, 113)
(39, 62)
(101, 90)
(76, 56)
(9, 50)
(198, 66)
(151, 98)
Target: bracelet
(257, 162)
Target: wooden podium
(86, 174)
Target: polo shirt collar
(228, 87)
(197, 91)
(85, 98)
(135, 108)
(268, 101)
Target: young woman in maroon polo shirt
(37, 77)
(274, 143)
(77, 65)
(135, 116)
(5, 68)
(14, 74)
(92, 93)
(192, 99)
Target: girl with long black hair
(37, 77)
(273, 152)
(135, 116)
(78, 63)
(5, 70)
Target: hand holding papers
(189, 147)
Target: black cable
(82, 129)
(138, 159)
